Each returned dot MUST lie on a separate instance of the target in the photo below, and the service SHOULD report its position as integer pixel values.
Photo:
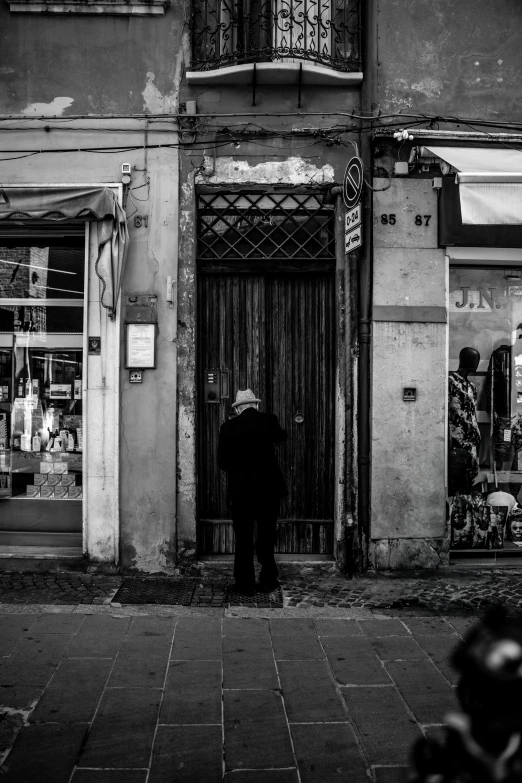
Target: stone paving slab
(194, 713)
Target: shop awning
(490, 183)
(109, 234)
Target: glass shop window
(485, 407)
(41, 406)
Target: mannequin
(469, 359)
(464, 431)
(464, 438)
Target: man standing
(255, 485)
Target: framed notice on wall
(141, 346)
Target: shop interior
(41, 405)
(485, 408)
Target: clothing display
(475, 524)
(464, 431)
(484, 435)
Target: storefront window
(41, 413)
(485, 407)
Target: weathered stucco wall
(72, 64)
(445, 57)
(408, 494)
(148, 410)
(279, 99)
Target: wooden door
(273, 333)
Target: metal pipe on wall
(369, 58)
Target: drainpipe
(369, 59)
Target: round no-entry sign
(353, 182)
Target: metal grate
(276, 226)
(273, 600)
(231, 32)
(177, 592)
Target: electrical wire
(379, 117)
(252, 133)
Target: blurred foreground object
(483, 743)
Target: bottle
(37, 442)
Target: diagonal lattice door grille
(276, 226)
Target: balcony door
(233, 32)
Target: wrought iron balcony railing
(233, 32)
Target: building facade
(171, 193)
(184, 177)
(445, 264)
(87, 88)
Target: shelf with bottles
(5, 473)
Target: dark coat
(246, 453)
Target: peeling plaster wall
(443, 57)
(292, 171)
(186, 452)
(72, 64)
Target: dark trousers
(244, 515)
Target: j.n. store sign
(466, 299)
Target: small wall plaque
(94, 346)
(141, 346)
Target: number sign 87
(391, 219)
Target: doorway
(42, 284)
(266, 321)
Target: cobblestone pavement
(56, 588)
(94, 695)
(447, 591)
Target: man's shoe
(268, 587)
(243, 589)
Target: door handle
(224, 384)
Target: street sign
(352, 218)
(353, 182)
(353, 239)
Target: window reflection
(41, 272)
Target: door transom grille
(272, 226)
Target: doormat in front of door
(260, 600)
(174, 592)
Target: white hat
(244, 397)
